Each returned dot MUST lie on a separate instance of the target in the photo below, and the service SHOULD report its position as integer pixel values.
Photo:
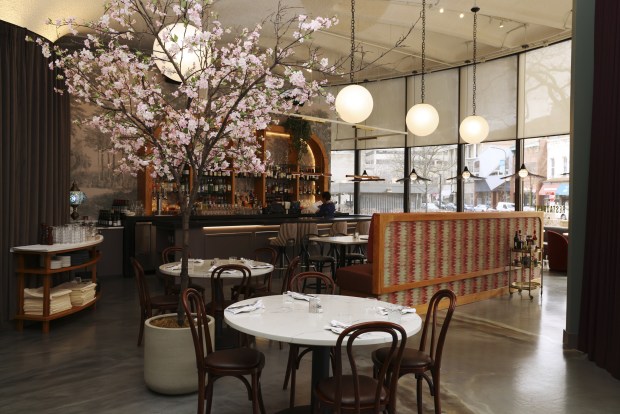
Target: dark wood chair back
(300, 281)
(143, 289)
(369, 394)
(199, 326)
(433, 332)
(168, 255)
(290, 273)
(217, 293)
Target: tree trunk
(185, 214)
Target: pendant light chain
(352, 39)
(475, 9)
(423, 48)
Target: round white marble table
(289, 321)
(202, 268)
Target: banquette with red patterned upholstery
(413, 255)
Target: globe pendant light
(422, 119)
(474, 129)
(353, 103)
(173, 37)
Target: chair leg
(436, 393)
(260, 395)
(209, 395)
(141, 334)
(419, 392)
(255, 402)
(201, 393)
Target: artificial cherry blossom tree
(228, 87)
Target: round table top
(202, 268)
(288, 320)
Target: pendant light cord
(352, 40)
(475, 10)
(423, 48)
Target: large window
(494, 163)
(342, 163)
(438, 164)
(382, 196)
(550, 193)
(524, 98)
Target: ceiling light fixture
(441, 10)
(501, 24)
(461, 15)
(422, 119)
(353, 103)
(188, 59)
(474, 129)
(364, 177)
(413, 176)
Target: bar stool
(287, 237)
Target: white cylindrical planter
(170, 358)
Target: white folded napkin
(300, 296)
(403, 310)
(260, 266)
(178, 266)
(246, 308)
(338, 327)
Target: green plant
(300, 132)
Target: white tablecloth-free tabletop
(293, 323)
(201, 268)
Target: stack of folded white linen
(81, 292)
(60, 300)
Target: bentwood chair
(425, 361)
(356, 392)
(297, 284)
(218, 302)
(290, 273)
(313, 256)
(213, 365)
(168, 255)
(148, 303)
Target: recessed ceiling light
(501, 24)
(441, 10)
(461, 15)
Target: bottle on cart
(534, 240)
(515, 240)
(521, 242)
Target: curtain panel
(35, 125)
(599, 335)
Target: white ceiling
(379, 24)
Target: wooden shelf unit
(260, 183)
(28, 263)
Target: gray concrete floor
(503, 355)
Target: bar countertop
(241, 220)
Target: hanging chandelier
(353, 103)
(474, 129)
(422, 119)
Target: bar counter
(213, 236)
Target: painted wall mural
(93, 166)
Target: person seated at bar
(328, 208)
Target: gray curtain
(35, 129)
